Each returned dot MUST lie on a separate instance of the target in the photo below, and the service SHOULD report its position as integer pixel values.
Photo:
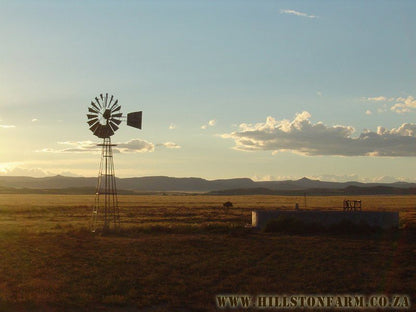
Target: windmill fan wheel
(104, 116)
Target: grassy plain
(175, 253)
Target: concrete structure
(385, 220)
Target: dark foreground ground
(184, 271)
(173, 266)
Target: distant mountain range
(81, 185)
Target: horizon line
(216, 179)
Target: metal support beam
(106, 214)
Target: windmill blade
(135, 120)
(92, 110)
(117, 115)
(115, 103)
(98, 102)
(104, 131)
(113, 125)
(98, 131)
(116, 109)
(92, 121)
(94, 127)
(103, 106)
(111, 99)
(92, 116)
(95, 106)
(115, 120)
(108, 131)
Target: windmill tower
(104, 118)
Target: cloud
(304, 137)
(356, 177)
(172, 126)
(135, 146)
(22, 169)
(132, 146)
(335, 178)
(35, 120)
(401, 105)
(169, 145)
(376, 99)
(211, 123)
(368, 112)
(400, 108)
(404, 105)
(27, 172)
(7, 126)
(268, 177)
(382, 109)
(297, 13)
(74, 147)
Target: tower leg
(106, 214)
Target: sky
(268, 90)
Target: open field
(175, 253)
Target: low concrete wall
(385, 220)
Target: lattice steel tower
(104, 118)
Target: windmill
(104, 117)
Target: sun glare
(7, 167)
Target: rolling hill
(62, 184)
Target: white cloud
(132, 146)
(357, 178)
(135, 146)
(22, 169)
(172, 126)
(304, 137)
(211, 123)
(402, 105)
(169, 145)
(297, 13)
(7, 166)
(376, 99)
(7, 126)
(27, 172)
(335, 178)
(77, 147)
(368, 112)
(266, 178)
(386, 179)
(35, 120)
(382, 109)
(400, 108)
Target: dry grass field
(175, 253)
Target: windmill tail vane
(104, 118)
